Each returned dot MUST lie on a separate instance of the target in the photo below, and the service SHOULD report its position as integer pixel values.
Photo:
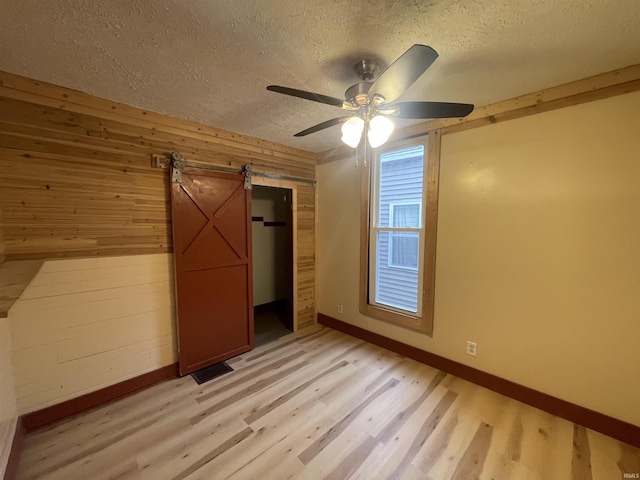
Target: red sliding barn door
(211, 215)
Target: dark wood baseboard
(623, 431)
(276, 305)
(11, 472)
(55, 413)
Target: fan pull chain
(367, 152)
(364, 151)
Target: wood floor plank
(248, 375)
(309, 453)
(280, 345)
(91, 456)
(387, 419)
(514, 445)
(425, 432)
(472, 462)
(223, 448)
(466, 409)
(282, 399)
(174, 454)
(441, 441)
(382, 464)
(629, 461)
(392, 428)
(361, 382)
(320, 404)
(353, 461)
(246, 392)
(581, 461)
(546, 443)
(277, 447)
(81, 452)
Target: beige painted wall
(269, 245)
(8, 409)
(84, 324)
(538, 257)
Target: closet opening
(272, 240)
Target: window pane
(397, 287)
(405, 216)
(400, 178)
(403, 249)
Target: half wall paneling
(84, 324)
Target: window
(398, 244)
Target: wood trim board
(597, 87)
(613, 427)
(46, 416)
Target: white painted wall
(538, 257)
(8, 408)
(269, 245)
(84, 324)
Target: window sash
(373, 268)
(423, 323)
(393, 228)
(393, 216)
(393, 238)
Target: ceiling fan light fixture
(352, 131)
(375, 97)
(380, 129)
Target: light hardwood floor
(319, 404)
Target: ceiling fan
(373, 100)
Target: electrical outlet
(472, 348)
(340, 309)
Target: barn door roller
(176, 162)
(176, 167)
(246, 171)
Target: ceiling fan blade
(429, 109)
(315, 97)
(403, 72)
(322, 126)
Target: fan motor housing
(358, 94)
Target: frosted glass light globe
(352, 131)
(380, 129)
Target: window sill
(417, 324)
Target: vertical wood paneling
(305, 259)
(84, 324)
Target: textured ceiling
(210, 61)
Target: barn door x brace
(176, 162)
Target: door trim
(289, 185)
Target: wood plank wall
(76, 178)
